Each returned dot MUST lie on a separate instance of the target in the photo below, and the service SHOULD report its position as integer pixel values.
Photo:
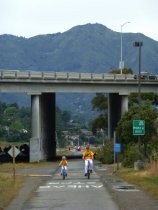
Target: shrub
(130, 155)
(105, 153)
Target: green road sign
(138, 127)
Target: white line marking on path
(69, 187)
(42, 187)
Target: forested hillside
(85, 48)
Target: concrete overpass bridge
(42, 86)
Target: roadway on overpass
(38, 82)
(75, 192)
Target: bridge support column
(35, 141)
(124, 104)
(114, 112)
(117, 106)
(48, 125)
(42, 142)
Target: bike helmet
(63, 158)
(87, 147)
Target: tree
(62, 117)
(124, 71)
(16, 125)
(99, 123)
(12, 120)
(9, 115)
(99, 103)
(124, 128)
(24, 114)
(2, 108)
(66, 116)
(152, 97)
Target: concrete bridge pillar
(42, 142)
(114, 112)
(124, 104)
(48, 125)
(117, 106)
(35, 141)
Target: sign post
(114, 151)
(13, 152)
(139, 130)
(117, 149)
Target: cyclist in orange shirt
(88, 155)
(64, 163)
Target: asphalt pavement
(44, 189)
(75, 192)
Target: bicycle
(63, 172)
(88, 170)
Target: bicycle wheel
(88, 170)
(88, 174)
(63, 176)
(63, 173)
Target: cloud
(32, 17)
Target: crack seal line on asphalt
(128, 188)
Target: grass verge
(9, 189)
(144, 179)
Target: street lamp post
(139, 163)
(121, 61)
(139, 44)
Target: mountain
(84, 48)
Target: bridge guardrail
(23, 75)
(86, 76)
(61, 75)
(66, 76)
(35, 75)
(108, 76)
(119, 77)
(129, 76)
(11, 74)
(97, 77)
(49, 75)
(74, 76)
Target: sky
(29, 18)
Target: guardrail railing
(69, 76)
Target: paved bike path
(127, 196)
(75, 192)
